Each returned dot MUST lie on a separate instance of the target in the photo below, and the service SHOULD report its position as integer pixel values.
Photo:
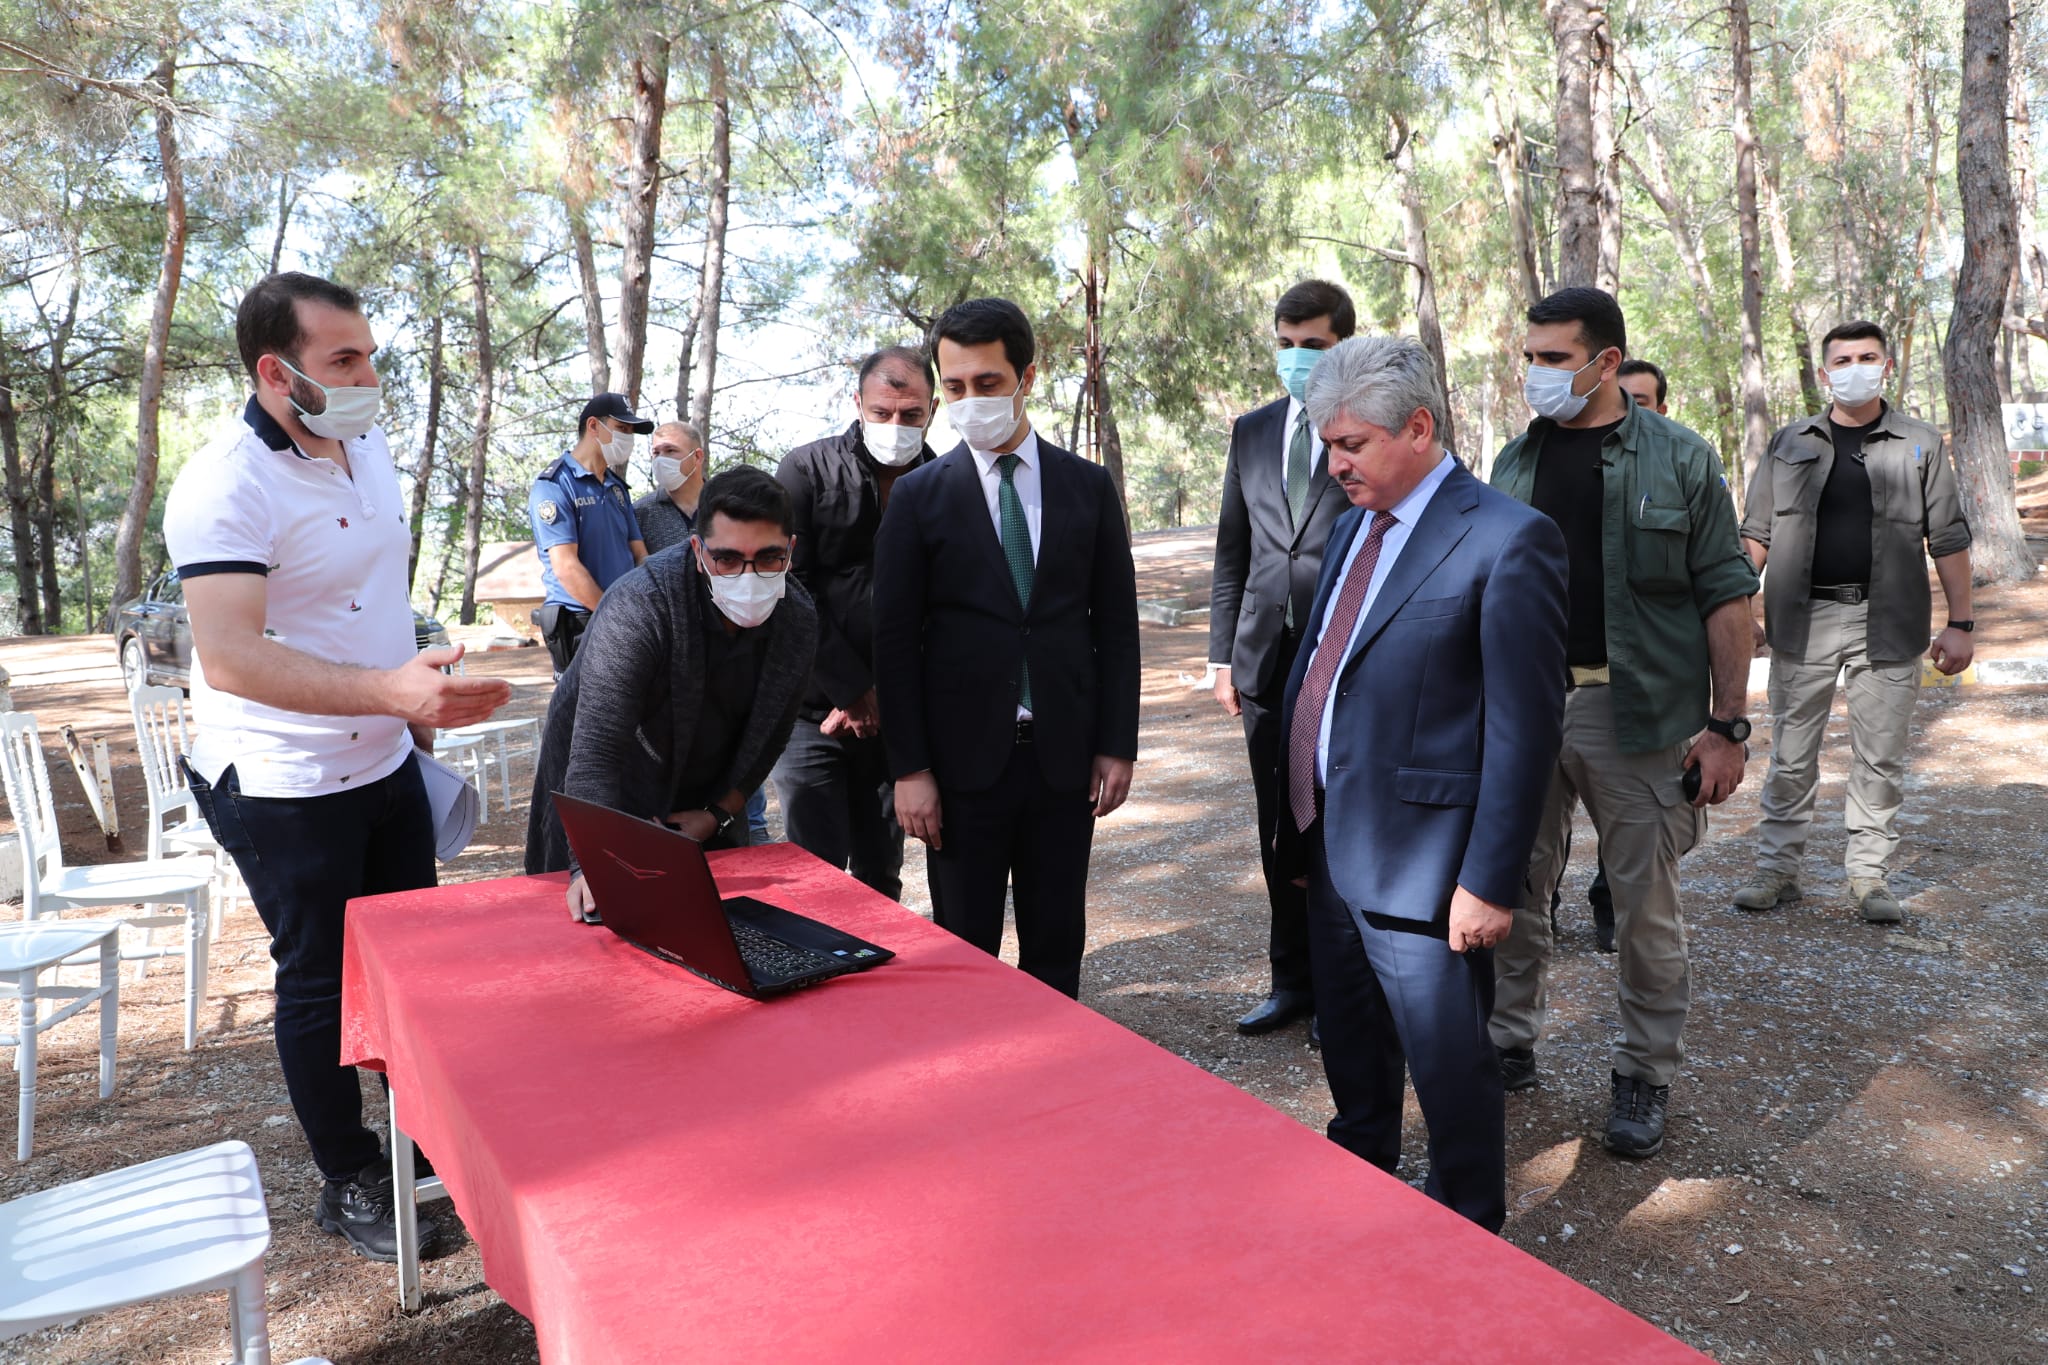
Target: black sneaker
(1635, 1123)
(1517, 1068)
(362, 1211)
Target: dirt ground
(1857, 1166)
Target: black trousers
(838, 802)
(304, 859)
(1023, 837)
(1288, 943)
(1392, 1000)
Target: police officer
(583, 525)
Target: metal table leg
(406, 1194)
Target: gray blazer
(619, 727)
(1263, 560)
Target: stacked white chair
(26, 952)
(49, 887)
(162, 737)
(184, 1224)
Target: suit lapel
(1320, 485)
(967, 502)
(1055, 517)
(1444, 523)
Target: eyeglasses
(769, 563)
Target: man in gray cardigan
(683, 691)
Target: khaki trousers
(1645, 824)
(1881, 698)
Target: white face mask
(984, 423)
(892, 445)
(1548, 391)
(747, 598)
(669, 471)
(1854, 385)
(617, 449)
(349, 412)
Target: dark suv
(155, 639)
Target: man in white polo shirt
(309, 693)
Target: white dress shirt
(1406, 512)
(1315, 440)
(1029, 490)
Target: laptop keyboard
(770, 959)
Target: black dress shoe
(1277, 1010)
(1635, 1123)
(1517, 1068)
(1602, 901)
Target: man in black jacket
(1006, 654)
(837, 799)
(682, 693)
(1278, 506)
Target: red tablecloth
(937, 1160)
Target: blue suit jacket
(1449, 711)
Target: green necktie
(1017, 552)
(1297, 469)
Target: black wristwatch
(722, 817)
(1964, 626)
(1734, 731)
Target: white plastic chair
(162, 737)
(26, 952)
(184, 1224)
(501, 735)
(48, 886)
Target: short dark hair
(1629, 367)
(1312, 299)
(744, 493)
(909, 357)
(1859, 330)
(1598, 315)
(977, 322)
(267, 321)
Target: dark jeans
(838, 802)
(304, 859)
(1288, 942)
(1019, 836)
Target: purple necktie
(1322, 670)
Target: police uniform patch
(548, 512)
(619, 495)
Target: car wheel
(134, 669)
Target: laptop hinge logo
(642, 873)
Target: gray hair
(1381, 380)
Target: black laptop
(654, 890)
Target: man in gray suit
(1422, 721)
(1278, 506)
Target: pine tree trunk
(1606, 156)
(1510, 158)
(28, 612)
(593, 299)
(1572, 23)
(149, 399)
(46, 529)
(1415, 231)
(1756, 399)
(1998, 553)
(423, 471)
(643, 191)
(480, 441)
(711, 284)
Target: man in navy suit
(1006, 654)
(1422, 720)
(1277, 509)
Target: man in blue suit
(1423, 720)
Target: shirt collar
(267, 428)
(1026, 453)
(1409, 510)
